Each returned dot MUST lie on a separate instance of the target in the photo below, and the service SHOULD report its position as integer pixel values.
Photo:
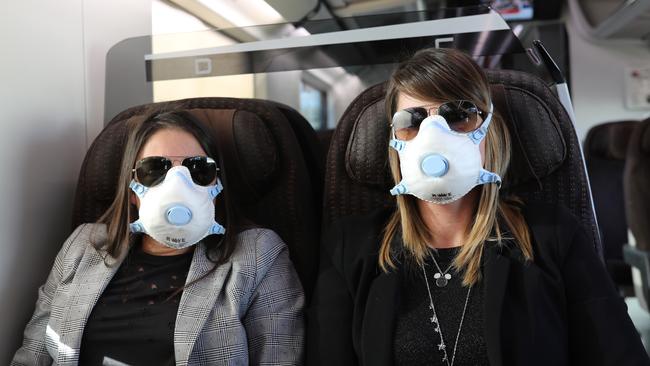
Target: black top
(133, 321)
(416, 342)
(561, 309)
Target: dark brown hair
(122, 212)
(439, 75)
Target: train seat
(546, 163)
(637, 208)
(605, 149)
(274, 175)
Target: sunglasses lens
(461, 116)
(202, 169)
(151, 171)
(407, 122)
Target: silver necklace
(434, 319)
(441, 277)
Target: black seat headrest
(609, 140)
(255, 154)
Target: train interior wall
(51, 108)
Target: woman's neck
(153, 247)
(448, 224)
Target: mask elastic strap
(137, 227)
(399, 189)
(217, 228)
(479, 134)
(485, 177)
(397, 144)
(216, 189)
(138, 188)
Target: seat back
(636, 176)
(274, 178)
(605, 150)
(546, 162)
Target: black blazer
(561, 309)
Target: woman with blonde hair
(458, 274)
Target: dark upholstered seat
(546, 161)
(605, 150)
(636, 177)
(276, 177)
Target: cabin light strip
(474, 23)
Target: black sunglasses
(461, 115)
(151, 170)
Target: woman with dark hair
(170, 275)
(457, 274)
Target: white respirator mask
(442, 163)
(177, 212)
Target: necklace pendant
(437, 275)
(442, 281)
(447, 276)
(441, 347)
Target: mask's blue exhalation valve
(435, 165)
(179, 215)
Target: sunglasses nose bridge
(178, 173)
(176, 161)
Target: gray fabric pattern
(248, 311)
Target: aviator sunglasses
(462, 116)
(151, 170)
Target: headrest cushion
(256, 153)
(367, 152)
(609, 140)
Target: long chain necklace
(438, 329)
(441, 277)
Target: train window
(313, 104)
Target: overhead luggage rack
(375, 39)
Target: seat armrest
(639, 259)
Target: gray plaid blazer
(248, 311)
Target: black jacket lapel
(496, 271)
(379, 320)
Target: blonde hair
(442, 75)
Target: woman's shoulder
(257, 247)
(82, 237)
(553, 227)
(355, 237)
(373, 220)
(360, 226)
(545, 213)
(551, 220)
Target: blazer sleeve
(329, 339)
(274, 320)
(600, 330)
(33, 350)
